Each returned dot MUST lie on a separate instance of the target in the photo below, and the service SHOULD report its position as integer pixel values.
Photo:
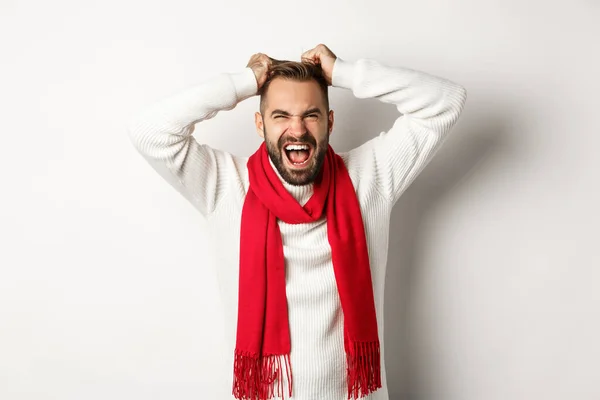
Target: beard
(305, 175)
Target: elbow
(460, 97)
(453, 103)
(456, 100)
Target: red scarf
(262, 353)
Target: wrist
(245, 83)
(342, 73)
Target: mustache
(305, 138)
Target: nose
(297, 126)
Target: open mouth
(298, 155)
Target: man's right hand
(260, 64)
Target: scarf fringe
(364, 369)
(261, 377)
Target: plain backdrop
(107, 282)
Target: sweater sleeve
(162, 133)
(429, 107)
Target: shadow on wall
(467, 147)
(471, 142)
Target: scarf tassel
(364, 369)
(260, 377)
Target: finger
(308, 55)
(313, 58)
(324, 51)
(267, 61)
(255, 58)
(323, 48)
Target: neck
(301, 193)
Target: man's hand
(322, 55)
(260, 64)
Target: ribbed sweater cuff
(244, 83)
(343, 74)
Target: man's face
(296, 126)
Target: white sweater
(216, 182)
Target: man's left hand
(324, 56)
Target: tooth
(297, 147)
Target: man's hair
(295, 71)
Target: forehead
(293, 96)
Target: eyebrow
(314, 110)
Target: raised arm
(429, 107)
(162, 133)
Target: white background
(107, 286)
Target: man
(301, 232)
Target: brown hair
(295, 71)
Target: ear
(330, 118)
(258, 121)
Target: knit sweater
(216, 183)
